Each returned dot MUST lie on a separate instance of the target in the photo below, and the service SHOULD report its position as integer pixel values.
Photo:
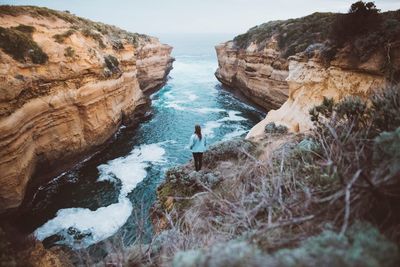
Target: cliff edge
(290, 66)
(66, 86)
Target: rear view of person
(197, 145)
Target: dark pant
(198, 160)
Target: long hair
(197, 130)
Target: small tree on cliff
(362, 18)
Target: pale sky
(195, 16)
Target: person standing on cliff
(198, 144)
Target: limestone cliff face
(60, 109)
(153, 64)
(258, 72)
(292, 65)
(310, 81)
(256, 62)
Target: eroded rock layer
(90, 80)
(260, 74)
(309, 82)
(289, 66)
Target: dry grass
(329, 198)
(332, 178)
(300, 204)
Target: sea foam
(105, 221)
(232, 116)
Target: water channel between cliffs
(108, 193)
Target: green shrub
(94, 30)
(117, 45)
(94, 35)
(20, 46)
(69, 52)
(386, 108)
(363, 245)
(362, 18)
(386, 152)
(25, 29)
(60, 38)
(380, 115)
(293, 35)
(325, 109)
(271, 128)
(233, 253)
(368, 32)
(359, 141)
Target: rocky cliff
(309, 82)
(256, 62)
(66, 86)
(292, 65)
(262, 201)
(258, 74)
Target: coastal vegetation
(60, 38)
(364, 30)
(325, 197)
(293, 35)
(333, 190)
(18, 43)
(88, 28)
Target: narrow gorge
(301, 119)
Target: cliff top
(362, 36)
(41, 49)
(293, 35)
(77, 23)
(367, 31)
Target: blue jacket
(196, 145)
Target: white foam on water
(232, 116)
(209, 127)
(191, 96)
(101, 223)
(131, 169)
(169, 95)
(105, 221)
(175, 105)
(208, 110)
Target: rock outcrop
(66, 86)
(309, 82)
(298, 62)
(259, 73)
(256, 62)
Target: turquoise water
(111, 191)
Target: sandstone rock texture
(289, 66)
(259, 73)
(309, 82)
(93, 81)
